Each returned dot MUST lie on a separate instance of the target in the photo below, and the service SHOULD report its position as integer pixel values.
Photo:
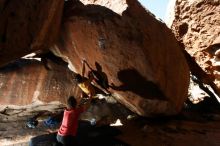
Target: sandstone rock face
(27, 26)
(139, 54)
(28, 82)
(197, 26)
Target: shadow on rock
(133, 81)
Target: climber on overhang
(85, 83)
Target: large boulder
(30, 82)
(28, 26)
(196, 24)
(139, 54)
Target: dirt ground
(177, 131)
(187, 129)
(196, 125)
(17, 133)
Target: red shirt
(70, 122)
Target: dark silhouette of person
(133, 81)
(100, 77)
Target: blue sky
(157, 7)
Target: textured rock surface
(139, 54)
(27, 26)
(197, 26)
(27, 82)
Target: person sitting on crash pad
(68, 129)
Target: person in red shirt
(67, 132)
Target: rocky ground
(196, 125)
(173, 132)
(16, 133)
